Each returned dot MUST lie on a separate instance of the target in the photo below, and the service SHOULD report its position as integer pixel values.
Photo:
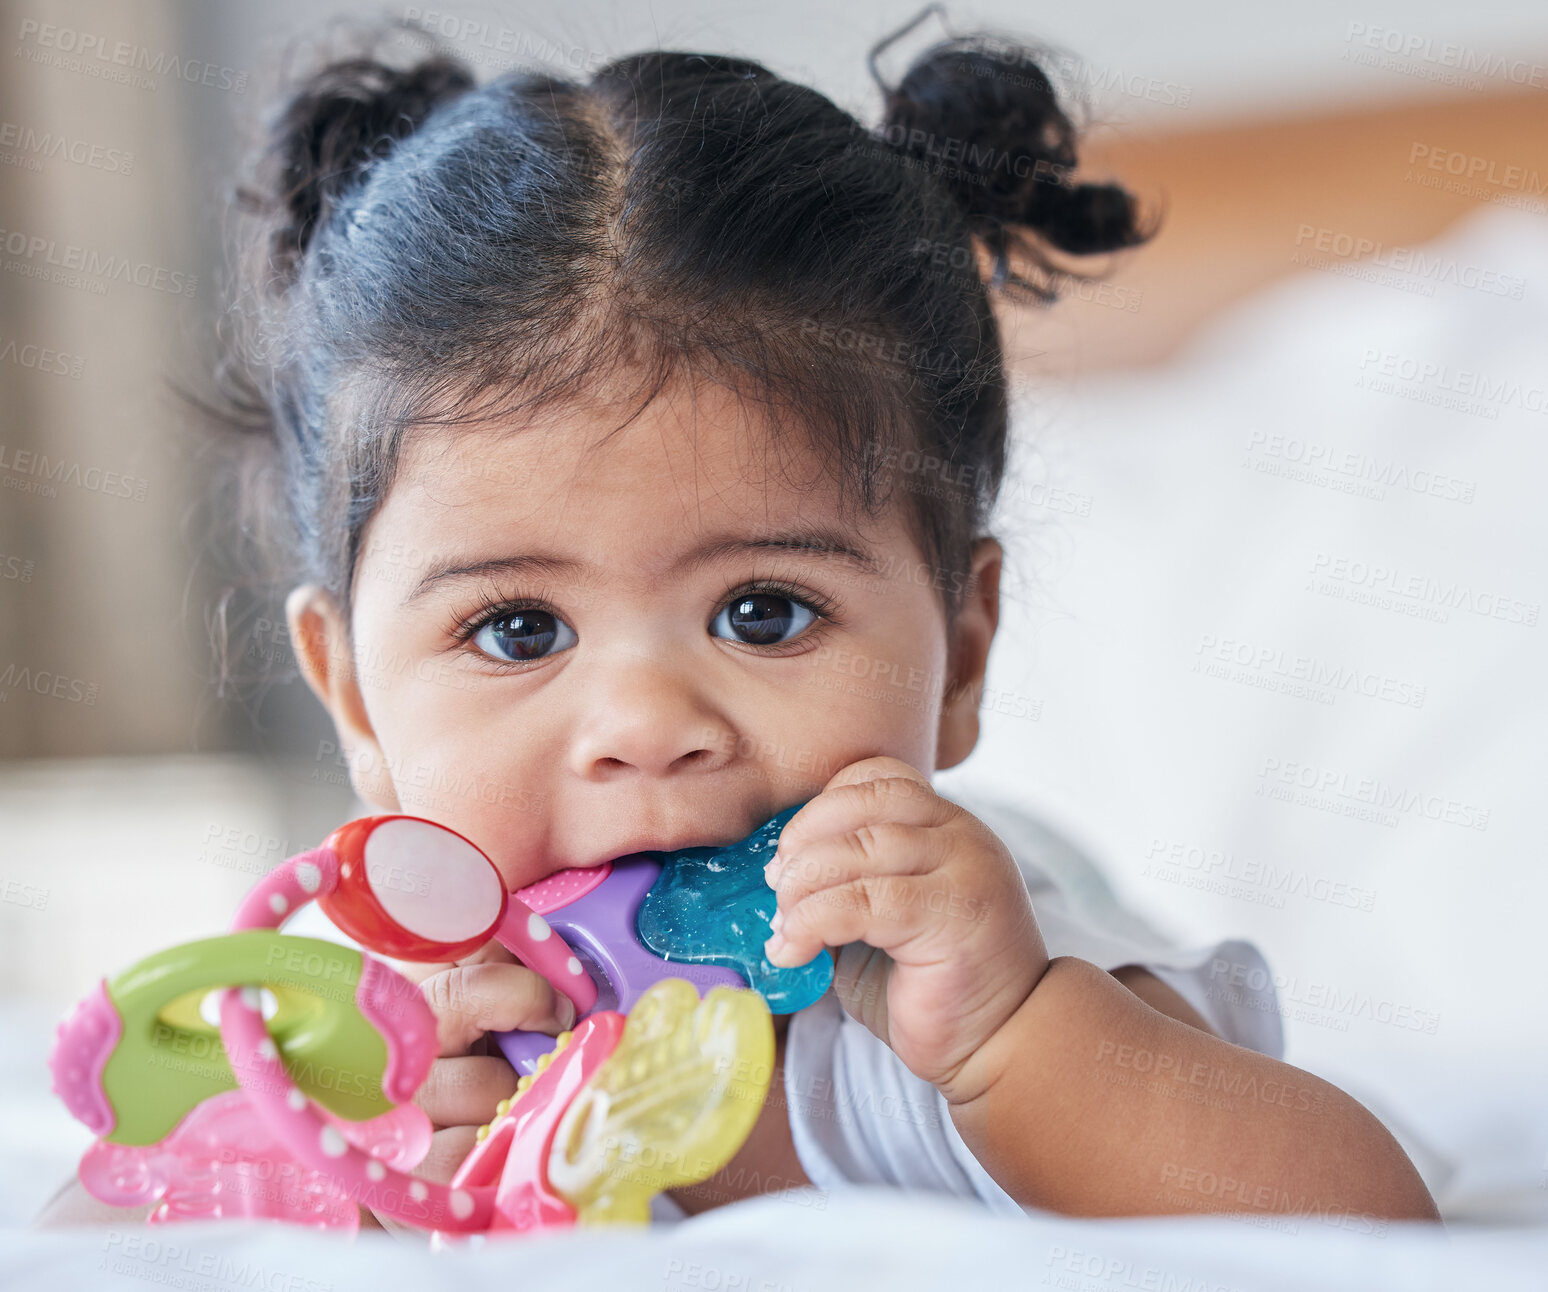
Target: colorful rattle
(703, 911)
(317, 1090)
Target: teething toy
(154, 1058)
(701, 914)
(711, 904)
(619, 1118)
(190, 1112)
(412, 889)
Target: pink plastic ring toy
(410, 888)
(291, 1118)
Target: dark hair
(432, 252)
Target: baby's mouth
(568, 885)
(573, 882)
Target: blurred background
(1272, 650)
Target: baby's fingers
(865, 793)
(886, 911)
(448, 1148)
(469, 1000)
(886, 848)
(464, 1091)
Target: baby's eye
(517, 635)
(762, 619)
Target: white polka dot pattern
(320, 1144)
(533, 941)
(287, 886)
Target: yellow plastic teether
(670, 1106)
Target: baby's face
(568, 652)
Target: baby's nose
(645, 719)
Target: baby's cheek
(832, 718)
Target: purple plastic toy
(600, 925)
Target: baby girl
(608, 424)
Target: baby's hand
(485, 992)
(937, 942)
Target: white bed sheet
(861, 1238)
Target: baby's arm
(1078, 1090)
(1158, 1116)
(1159, 996)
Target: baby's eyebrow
(826, 543)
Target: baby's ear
(968, 656)
(320, 639)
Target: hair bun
(980, 114)
(324, 137)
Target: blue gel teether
(712, 906)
